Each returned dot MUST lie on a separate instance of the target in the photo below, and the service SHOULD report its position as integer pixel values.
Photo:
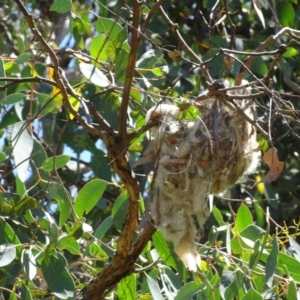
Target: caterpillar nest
(194, 159)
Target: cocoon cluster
(197, 158)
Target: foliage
(76, 80)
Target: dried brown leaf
(174, 55)
(271, 159)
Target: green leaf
(286, 13)
(61, 6)
(11, 67)
(292, 291)
(77, 23)
(109, 27)
(25, 293)
(97, 48)
(48, 103)
(226, 281)
(55, 162)
(8, 253)
(22, 142)
(243, 218)
(89, 195)
(291, 265)
(29, 263)
(119, 211)
(120, 40)
(53, 232)
(38, 159)
(13, 296)
(7, 235)
(77, 28)
(154, 288)
(255, 255)
(259, 67)
(21, 46)
(63, 197)
(2, 83)
(99, 164)
(13, 98)
(156, 71)
(94, 74)
(69, 243)
(127, 288)
(213, 235)
(271, 264)
(149, 59)
(171, 277)
(2, 156)
(121, 63)
(102, 229)
(22, 58)
(253, 232)
(163, 250)
(24, 204)
(290, 52)
(246, 239)
(218, 216)
(188, 290)
(21, 188)
(10, 117)
(96, 251)
(252, 295)
(58, 279)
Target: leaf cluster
(76, 80)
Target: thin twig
(57, 71)
(174, 28)
(232, 26)
(249, 60)
(14, 80)
(241, 112)
(151, 14)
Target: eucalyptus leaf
(13, 98)
(61, 6)
(58, 278)
(93, 74)
(22, 142)
(89, 195)
(55, 162)
(7, 254)
(29, 263)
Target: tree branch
(14, 80)
(135, 43)
(249, 60)
(120, 266)
(107, 279)
(151, 13)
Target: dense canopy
(77, 184)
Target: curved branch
(135, 43)
(249, 60)
(123, 262)
(107, 279)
